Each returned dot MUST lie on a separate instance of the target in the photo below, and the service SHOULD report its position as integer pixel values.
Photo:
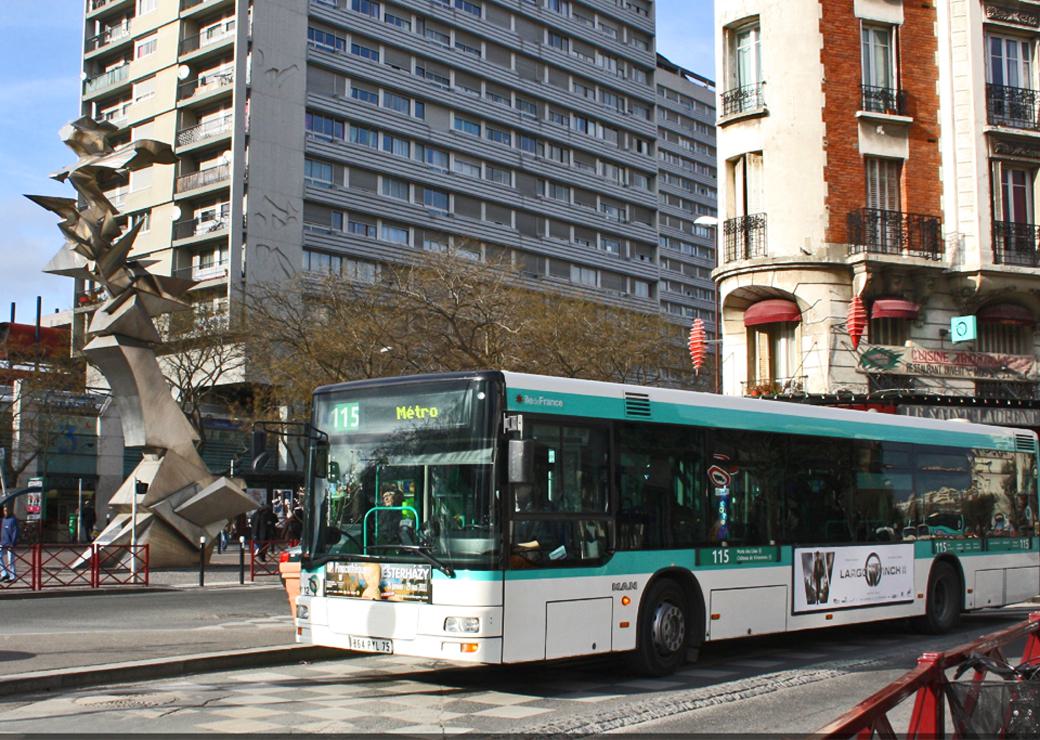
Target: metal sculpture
(183, 501)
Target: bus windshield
(409, 475)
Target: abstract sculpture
(184, 501)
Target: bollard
(202, 561)
(241, 560)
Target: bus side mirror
(521, 460)
(321, 458)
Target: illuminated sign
(408, 413)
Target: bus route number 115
(720, 557)
(346, 417)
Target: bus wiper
(422, 551)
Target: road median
(167, 667)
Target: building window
(394, 188)
(317, 173)
(436, 200)
(394, 20)
(501, 137)
(772, 356)
(365, 96)
(466, 167)
(745, 69)
(528, 144)
(364, 136)
(467, 7)
(437, 158)
(1015, 197)
(466, 126)
(1010, 62)
(396, 102)
(367, 7)
(891, 332)
(883, 183)
(326, 40)
(500, 175)
(146, 46)
(879, 56)
(146, 6)
(584, 276)
(366, 52)
(325, 127)
(1010, 336)
(397, 145)
(394, 233)
(361, 228)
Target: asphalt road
(38, 634)
(785, 684)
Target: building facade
(891, 163)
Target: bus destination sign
(387, 414)
(738, 555)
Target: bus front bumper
(457, 648)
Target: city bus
(498, 517)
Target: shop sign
(827, 578)
(1003, 417)
(939, 363)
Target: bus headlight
(462, 624)
(302, 611)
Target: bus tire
(943, 601)
(663, 630)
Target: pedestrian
(88, 517)
(264, 523)
(8, 540)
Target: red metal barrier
(120, 565)
(64, 565)
(263, 556)
(928, 681)
(23, 560)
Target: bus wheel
(943, 604)
(663, 630)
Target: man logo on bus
(872, 569)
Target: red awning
(772, 311)
(1007, 313)
(894, 308)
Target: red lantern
(697, 342)
(856, 321)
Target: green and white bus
(497, 517)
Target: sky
(39, 93)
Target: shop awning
(894, 308)
(771, 311)
(1006, 313)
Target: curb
(116, 590)
(171, 667)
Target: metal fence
(264, 555)
(46, 566)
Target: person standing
(8, 540)
(88, 517)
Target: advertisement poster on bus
(827, 578)
(378, 581)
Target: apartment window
(640, 289)
(437, 36)
(559, 192)
(558, 6)
(325, 127)
(528, 144)
(610, 244)
(501, 137)
(557, 41)
(427, 73)
(883, 183)
(326, 40)
(366, 7)
(772, 353)
(144, 89)
(394, 233)
(397, 145)
(394, 188)
(879, 60)
(527, 108)
(467, 126)
(364, 95)
(891, 332)
(1010, 62)
(499, 175)
(364, 136)
(1007, 329)
(581, 124)
(396, 20)
(146, 46)
(1016, 195)
(360, 227)
(141, 217)
(141, 179)
(432, 156)
(146, 6)
(747, 56)
(746, 181)
(434, 242)
(584, 276)
(559, 118)
(468, 7)
(466, 167)
(557, 153)
(366, 52)
(473, 50)
(327, 264)
(435, 199)
(585, 91)
(317, 173)
(420, 109)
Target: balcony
(203, 178)
(209, 130)
(204, 85)
(746, 99)
(745, 237)
(192, 227)
(879, 231)
(106, 37)
(774, 387)
(210, 36)
(1016, 107)
(203, 271)
(107, 79)
(1016, 244)
(95, 5)
(882, 100)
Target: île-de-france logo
(879, 358)
(872, 569)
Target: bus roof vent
(1025, 443)
(637, 405)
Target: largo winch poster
(841, 577)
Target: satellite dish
(177, 212)
(183, 72)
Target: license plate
(371, 645)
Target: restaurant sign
(942, 363)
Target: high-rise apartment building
(686, 191)
(887, 165)
(332, 136)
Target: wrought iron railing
(107, 79)
(107, 36)
(99, 4)
(883, 100)
(208, 83)
(1017, 107)
(194, 227)
(207, 37)
(744, 237)
(203, 271)
(743, 99)
(1016, 244)
(1007, 390)
(774, 386)
(895, 232)
(203, 178)
(207, 130)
